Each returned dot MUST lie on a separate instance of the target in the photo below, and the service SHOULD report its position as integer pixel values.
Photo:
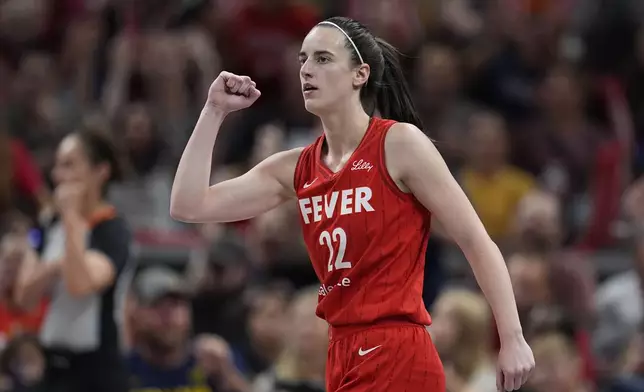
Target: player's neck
(344, 129)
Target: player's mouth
(308, 89)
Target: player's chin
(314, 106)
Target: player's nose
(305, 72)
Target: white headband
(346, 35)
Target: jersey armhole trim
(384, 172)
(297, 174)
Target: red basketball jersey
(366, 238)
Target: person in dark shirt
(84, 261)
(163, 356)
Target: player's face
(328, 76)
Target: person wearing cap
(163, 355)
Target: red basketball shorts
(384, 358)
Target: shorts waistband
(342, 331)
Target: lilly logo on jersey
(361, 165)
(346, 201)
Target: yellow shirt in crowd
(496, 197)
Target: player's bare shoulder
(403, 143)
(282, 166)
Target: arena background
(537, 106)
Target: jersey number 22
(338, 236)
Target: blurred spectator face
(30, 363)
(487, 141)
(438, 72)
(164, 324)
(227, 271)
(24, 360)
(138, 128)
(538, 221)
(558, 366)
(267, 320)
(332, 73)
(34, 76)
(223, 279)
(23, 20)
(308, 334)
(73, 165)
(529, 276)
(459, 316)
(461, 330)
(560, 92)
(445, 328)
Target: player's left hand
(516, 362)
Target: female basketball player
(364, 189)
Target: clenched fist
(230, 92)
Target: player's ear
(361, 75)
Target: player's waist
(342, 331)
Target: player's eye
(302, 60)
(323, 59)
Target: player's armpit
(262, 188)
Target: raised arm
(264, 187)
(417, 166)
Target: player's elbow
(182, 213)
(474, 244)
(184, 209)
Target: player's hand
(516, 362)
(230, 92)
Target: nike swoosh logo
(362, 352)
(308, 184)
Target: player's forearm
(492, 276)
(192, 178)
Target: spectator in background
(85, 257)
(559, 367)
(21, 184)
(461, 330)
(144, 195)
(14, 244)
(494, 187)
(265, 327)
(630, 376)
(218, 306)
(23, 362)
(439, 75)
(301, 365)
(163, 355)
(539, 233)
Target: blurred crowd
(536, 105)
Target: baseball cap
(155, 283)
